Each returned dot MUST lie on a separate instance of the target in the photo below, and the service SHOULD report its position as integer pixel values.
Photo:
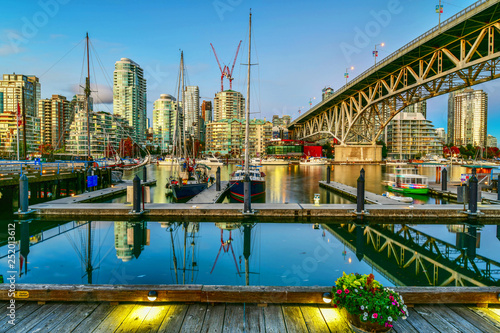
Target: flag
(19, 118)
(346, 75)
(375, 53)
(439, 9)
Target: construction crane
(225, 72)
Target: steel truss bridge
(409, 257)
(462, 52)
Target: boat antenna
(87, 98)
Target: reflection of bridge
(463, 51)
(406, 256)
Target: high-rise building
(206, 111)
(441, 135)
(492, 141)
(227, 136)
(22, 90)
(470, 112)
(191, 108)
(55, 118)
(229, 104)
(129, 97)
(164, 118)
(410, 135)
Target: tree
(384, 148)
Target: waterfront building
(191, 110)
(55, 118)
(469, 111)
(229, 104)
(441, 135)
(492, 141)
(206, 111)
(129, 97)
(410, 135)
(22, 90)
(164, 118)
(227, 136)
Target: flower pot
(359, 326)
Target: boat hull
(187, 191)
(409, 190)
(257, 189)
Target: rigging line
(106, 76)
(61, 58)
(259, 100)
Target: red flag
(19, 118)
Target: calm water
(148, 252)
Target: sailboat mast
(87, 97)
(183, 108)
(175, 150)
(247, 111)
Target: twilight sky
(300, 46)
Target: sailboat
(193, 177)
(256, 177)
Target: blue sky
(297, 45)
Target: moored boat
(257, 183)
(407, 180)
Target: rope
(61, 58)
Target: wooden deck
(221, 317)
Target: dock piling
(360, 195)
(247, 199)
(23, 194)
(217, 179)
(473, 193)
(444, 177)
(137, 195)
(144, 174)
(328, 169)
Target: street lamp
(346, 74)
(375, 52)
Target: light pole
(346, 74)
(375, 52)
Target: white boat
(274, 161)
(407, 180)
(314, 161)
(170, 161)
(397, 197)
(255, 161)
(210, 161)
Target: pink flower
(391, 298)
(374, 316)
(347, 291)
(339, 291)
(393, 303)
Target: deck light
(327, 297)
(316, 199)
(152, 295)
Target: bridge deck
(225, 317)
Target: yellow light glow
(350, 260)
(352, 67)
(382, 44)
(332, 316)
(140, 311)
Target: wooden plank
(22, 313)
(53, 318)
(214, 318)
(449, 295)
(436, 316)
(458, 321)
(82, 311)
(234, 318)
(490, 315)
(275, 323)
(294, 319)
(254, 318)
(334, 319)
(114, 319)
(154, 318)
(94, 319)
(475, 319)
(34, 318)
(174, 318)
(417, 320)
(195, 315)
(404, 326)
(314, 319)
(134, 318)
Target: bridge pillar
(358, 153)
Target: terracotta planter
(359, 326)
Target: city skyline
(291, 45)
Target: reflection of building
(130, 238)
(469, 111)
(227, 136)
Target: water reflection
(249, 253)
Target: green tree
(384, 148)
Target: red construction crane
(225, 72)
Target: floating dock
(351, 193)
(210, 194)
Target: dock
(351, 193)
(452, 189)
(194, 308)
(210, 194)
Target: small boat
(397, 197)
(314, 161)
(257, 183)
(274, 161)
(191, 182)
(407, 180)
(256, 161)
(211, 161)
